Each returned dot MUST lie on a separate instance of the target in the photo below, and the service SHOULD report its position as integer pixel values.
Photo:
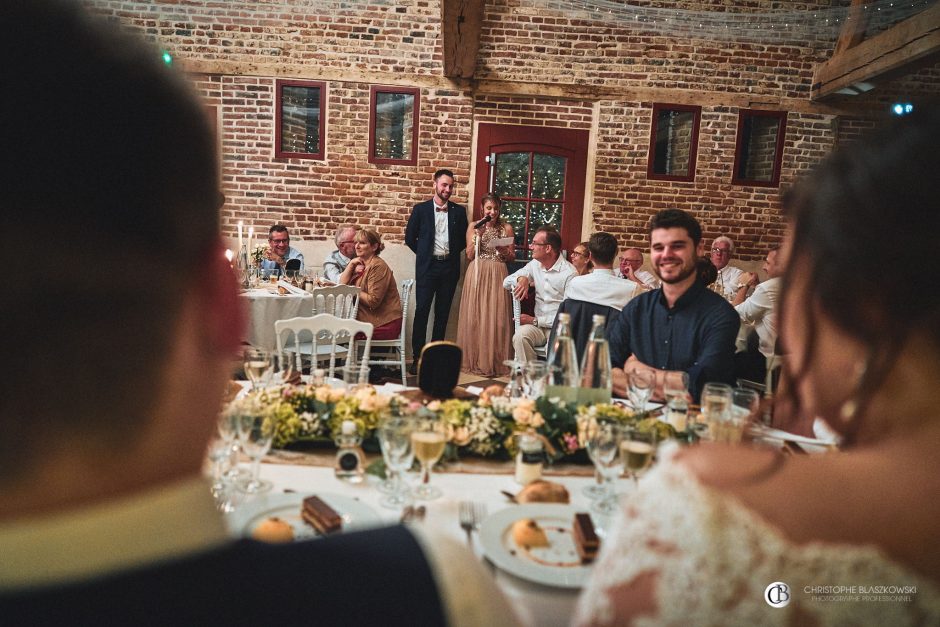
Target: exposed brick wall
(519, 43)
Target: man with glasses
(279, 252)
(550, 274)
(336, 261)
(728, 276)
(630, 263)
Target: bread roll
(541, 491)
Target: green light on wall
(167, 59)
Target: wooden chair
(327, 335)
(398, 344)
(341, 301)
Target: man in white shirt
(600, 286)
(550, 274)
(759, 310)
(336, 261)
(729, 277)
(630, 263)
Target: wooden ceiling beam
(904, 47)
(461, 23)
(853, 30)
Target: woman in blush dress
(741, 535)
(484, 327)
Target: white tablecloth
(535, 604)
(266, 307)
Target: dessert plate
(556, 565)
(356, 515)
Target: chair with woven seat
(341, 301)
(398, 344)
(541, 352)
(323, 338)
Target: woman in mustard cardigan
(379, 302)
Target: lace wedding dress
(713, 559)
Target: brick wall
(520, 43)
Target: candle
(240, 225)
(251, 239)
(229, 255)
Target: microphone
(482, 222)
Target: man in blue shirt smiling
(681, 326)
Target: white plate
(355, 514)
(562, 567)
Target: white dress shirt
(600, 286)
(760, 310)
(333, 266)
(727, 282)
(550, 286)
(646, 278)
(441, 241)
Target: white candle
(251, 239)
(240, 225)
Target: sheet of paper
(499, 242)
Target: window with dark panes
(393, 126)
(532, 186)
(300, 119)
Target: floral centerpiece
(257, 256)
(486, 427)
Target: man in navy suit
(437, 233)
(105, 517)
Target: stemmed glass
(285, 368)
(637, 449)
(535, 375)
(255, 434)
(604, 449)
(220, 454)
(395, 440)
(716, 407)
(428, 440)
(745, 405)
(676, 391)
(640, 388)
(586, 428)
(258, 365)
(514, 389)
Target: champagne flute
(428, 440)
(255, 434)
(640, 388)
(716, 408)
(258, 366)
(637, 449)
(587, 425)
(398, 452)
(604, 450)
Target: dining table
(534, 603)
(266, 306)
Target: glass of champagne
(604, 450)
(638, 448)
(255, 434)
(640, 388)
(428, 440)
(397, 450)
(258, 365)
(716, 408)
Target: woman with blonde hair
(379, 302)
(484, 326)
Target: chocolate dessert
(585, 538)
(320, 516)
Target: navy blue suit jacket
(419, 235)
(376, 577)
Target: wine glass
(355, 377)
(638, 448)
(640, 388)
(220, 454)
(228, 434)
(398, 452)
(604, 449)
(716, 408)
(428, 440)
(676, 391)
(534, 376)
(258, 364)
(745, 405)
(514, 389)
(587, 425)
(255, 434)
(285, 368)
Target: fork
(471, 514)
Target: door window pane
(512, 174)
(544, 214)
(548, 176)
(514, 212)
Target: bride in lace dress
(717, 535)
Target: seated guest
(105, 518)
(600, 286)
(279, 251)
(550, 274)
(729, 277)
(760, 311)
(630, 263)
(336, 261)
(580, 258)
(749, 534)
(379, 302)
(707, 273)
(681, 326)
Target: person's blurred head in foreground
(858, 329)
(116, 352)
